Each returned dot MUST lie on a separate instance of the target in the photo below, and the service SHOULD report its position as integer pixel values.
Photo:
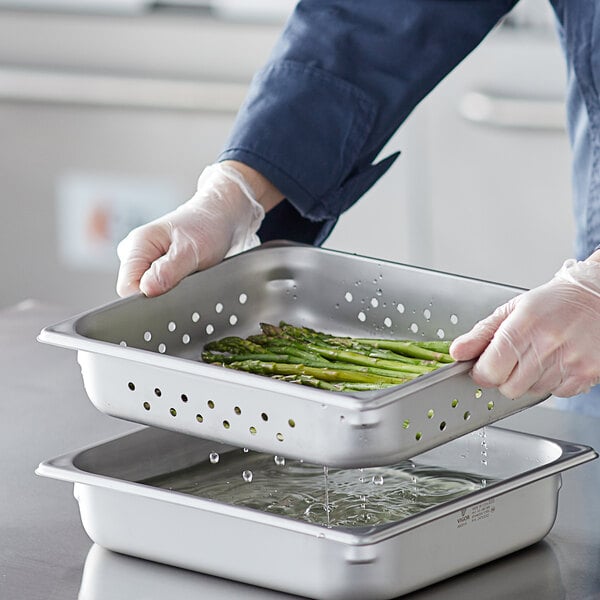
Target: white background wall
(486, 200)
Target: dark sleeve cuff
(322, 122)
(285, 221)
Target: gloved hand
(546, 340)
(221, 219)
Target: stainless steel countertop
(46, 555)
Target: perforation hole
(454, 403)
(414, 327)
(252, 430)
(418, 436)
(199, 418)
(440, 333)
(172, 326)
(430, 413)
(162, 348)
(173, 412)
(233, 319)
(210, 329)
(242, 298)
(400, 308)
(157, 392)
(406, 424)
(264, 416)
(195, 317)
(427, 314)
(146, 405)
(348, 297)
(218, 307)
(387, 322)
(131, 386)
(279, 437)
(237, 410)
(185, 338)
(210, 404)
(374, 302)
(478, 393)
(226, 424)
(362, 317)
(184, 397)
(454, 319)
(443, 425)
(467, 415)
(490, 405)
(147, 336)
(291, 423)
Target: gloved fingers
(528, 372)
(511, 343)
(137, 252)
(473, 343)
(181, 258)
(577, 382)
(549, 381)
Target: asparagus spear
(228, 358)
(408, 348)
(325, 374)
(431, 350)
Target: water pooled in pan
(348, 497)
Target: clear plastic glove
(544, 341)
(221, 219)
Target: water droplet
(378, 479)
(214, 458)
(279, 461)
(379, 292)
(246, 450)
(247, 476)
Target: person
(341, 79)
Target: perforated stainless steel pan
(140, 357)
(298, 557)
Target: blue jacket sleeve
(341, 79)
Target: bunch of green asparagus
(315, 358)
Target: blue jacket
(345, 74)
